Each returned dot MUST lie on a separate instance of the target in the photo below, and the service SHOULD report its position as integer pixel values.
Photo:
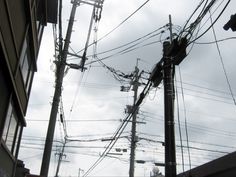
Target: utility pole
(61, 154)
(134, 121)
(169, 96)
(60, 65)
(80, 170)
(174, 53)
(60, 70)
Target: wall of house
(21, 28)
(13, 29)
(6, 163)
(18, 52)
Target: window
(26, 66)
(11, 130)
(7, 122)
(29, 79)
(24, 60)
(18, 133)
(40, 28)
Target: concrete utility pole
(61, 154)
(80, 170)
(169, 96)
(134, 121)
(61, 64)
(174, 53)
(60, 69)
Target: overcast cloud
(210, 110)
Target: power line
(124, 51)
(180, 132)
(208, 130)
(191, 147)
(119, 130)
(121, 23)
(200, 143)
(213, 22)
(205, 93)
(136, 40)
(213, 42)
(78, 120)
(222, 62)
(205, 88)
(185, 119)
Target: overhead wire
(202, 150)
(180, 132)
(222, 61)
(189, 30)
(196, 127)
(191, 147)
(203, 24)
(94, 56)
(119, 130)
(76, 93)
(205, 88)
(118, 75)
(127, 49)
(121, 23)
(185, 25)
(95, 18)
(207, 93)
(192, 142)
(213, 42)
(213, 22)
(123, 52)
(133, 41)
(185, 86)
(29, 142)
(188, 146)
(213, 97)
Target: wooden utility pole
(169, 96)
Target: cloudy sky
(94, 106)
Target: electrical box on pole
(231, 23)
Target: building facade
(21, 28)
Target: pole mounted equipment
(177, 50)
(231, 23)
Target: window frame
(12, 143)
(10, 137)
(26, 73)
